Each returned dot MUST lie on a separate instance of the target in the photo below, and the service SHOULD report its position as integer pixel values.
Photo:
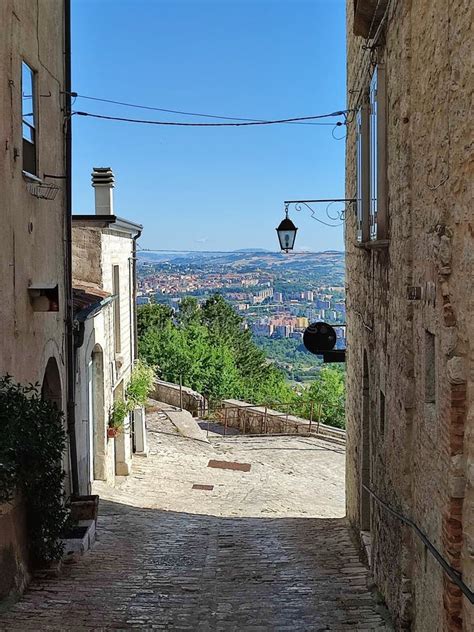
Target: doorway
(51, 387)
(366, 474)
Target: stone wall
(169, 393)
(33, 231)
(262, 420)
(14, 551)
(415, 454)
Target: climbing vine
(32, 445)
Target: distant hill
(255, 258)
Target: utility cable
(156, 109)
(452, 573)
(238, 124)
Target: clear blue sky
(211, 189)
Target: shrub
(140, 383)
(32, 445)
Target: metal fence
(281, 418)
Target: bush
(140, 383)
(32, 445)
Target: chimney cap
(102, 176)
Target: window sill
(31, 177)
(375, 244)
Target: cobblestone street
(264, 550)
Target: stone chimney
(103, 183)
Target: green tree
(208, 348)
(327, 395)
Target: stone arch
(365, 465)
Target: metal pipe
(69, 307)
(452, 573)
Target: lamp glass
(286, 234)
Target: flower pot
(84, 507)
(112, 432)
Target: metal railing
(280, 418)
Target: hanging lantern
(286, 233)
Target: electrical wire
(237, 124)
(453, 574)
(183, 113)
(372, 22)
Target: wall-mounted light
(286, 232)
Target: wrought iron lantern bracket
(334, 218)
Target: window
(362, 171)
(116, 292)
(430, 368)
(373, 156)
(371, 162)
(28, 118)
(359, 173)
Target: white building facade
(104, 255)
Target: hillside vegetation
(207, 347)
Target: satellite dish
(319, 337)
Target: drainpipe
(135, 327)
(68, 262)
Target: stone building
(409, 244)
(104, 280)
(34, 278)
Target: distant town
(277, 295)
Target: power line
(183, 113)
(238, 124)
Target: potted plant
(119, 411)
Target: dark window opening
(382, 413)
(430, 368)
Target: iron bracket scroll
(334, 218)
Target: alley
(263, 550)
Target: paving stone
(168, 558)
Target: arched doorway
(96, 426)
(51, 390)
(365, 502)
(51, 387)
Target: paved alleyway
(264, 550)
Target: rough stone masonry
(410, 418)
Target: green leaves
(120, 410)
(209, 349)
(140, 383)
(32, 446)
(327, 393)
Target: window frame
(29, 147)
(362, 170)
(371, 162)
(378, 155)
